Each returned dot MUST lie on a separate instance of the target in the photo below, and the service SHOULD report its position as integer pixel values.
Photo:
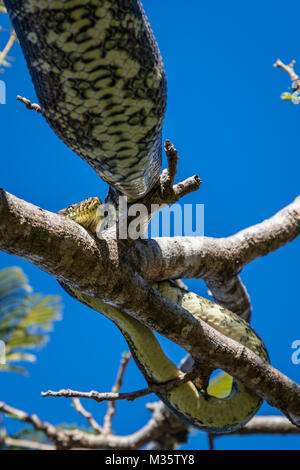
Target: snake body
(99, 77)
(100, 80)
(229, 409)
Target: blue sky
(229, 125)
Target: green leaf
(286, 96)
(20, 356)
(24, 317)
(11, 368)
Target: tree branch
(289, 69)
(103, 270)
(9, 44)
(87, 415)
(116, 396)
(163, 428)
(48, 429)
(267, 425)
(219, 261)
(111, 409)
(203, 342)
(25, 444)
(26, 231)
(217, 258)
(98, 396)
(158, 425)
(32, 106)
(261, 425)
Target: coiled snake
(100, 80)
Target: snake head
(85, 213)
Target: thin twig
(288, 69)
(111, 396)
(172, 158)
(32, 106)
(186, 187)
(165, 192)
(97, 396)
(7, 48)
(168, 176)
(181, 284)
(87, 415)
(211, 442)
(111, 408)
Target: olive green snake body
(100, 80)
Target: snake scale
(100, 80)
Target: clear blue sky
(227, 121)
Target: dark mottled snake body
(100, 80)
(99, 77)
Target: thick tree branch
(26, 231)
(203, 342)
(218, 261)
(102, 269)
(217, 258)
(267, 425)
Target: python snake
(100, 80)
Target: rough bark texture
(108, 269)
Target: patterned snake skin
(100, 80)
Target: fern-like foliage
(25, 317)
